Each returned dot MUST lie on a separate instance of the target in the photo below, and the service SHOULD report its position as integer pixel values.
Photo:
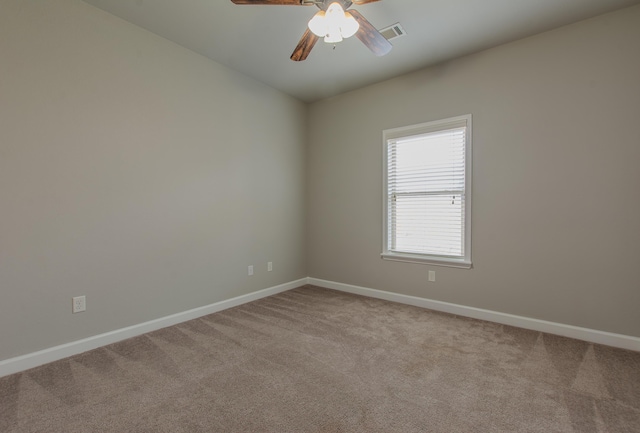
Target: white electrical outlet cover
(79, 304)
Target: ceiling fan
(354, 23)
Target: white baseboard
(585, 334)
(31, 360)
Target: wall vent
(392, 32)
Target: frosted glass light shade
(349, 25)
(318, 24)
(333, 36)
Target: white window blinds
(426, 190)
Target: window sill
(427, 260)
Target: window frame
(463, 261)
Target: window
(427, 193)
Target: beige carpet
(316, 360)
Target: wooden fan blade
(363, 2)
(370, 36)
(272, 2)
(304, 47)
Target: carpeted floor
(316, 360)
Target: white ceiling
(257, 40)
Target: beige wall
(134, 172)
(556, 183)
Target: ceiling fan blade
(304, 47)
(370, 36)
(273, 2)
(363, 2)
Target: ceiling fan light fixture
(333, 25)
